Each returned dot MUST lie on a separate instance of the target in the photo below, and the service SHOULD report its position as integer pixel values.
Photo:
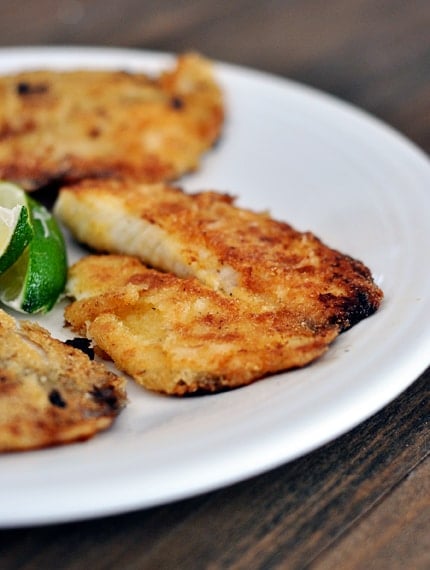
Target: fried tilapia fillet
(176, 335)
(68, 125)
(286, 294)
(51, 393)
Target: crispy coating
(51, 393)
(237, 252)
(68, 125)
(176, 335)
(239, 295)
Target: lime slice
(16, 230)
(36, 280)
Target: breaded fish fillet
(237, 252)
(68, 125)
(176, 335)
(51, 393)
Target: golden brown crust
(51, 393)
(241, 296)
(238, 252)
(71, 125)
(178, 336)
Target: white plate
(323, 166)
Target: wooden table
(362, 501)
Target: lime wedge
(36, 280)
(16, 230)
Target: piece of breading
(51, 393)
(237, 252)
(67, 125)
(176, 335)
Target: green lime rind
(34, 283)
(47, 274)
(21, 237)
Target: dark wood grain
(388, 536)
(361, 501)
